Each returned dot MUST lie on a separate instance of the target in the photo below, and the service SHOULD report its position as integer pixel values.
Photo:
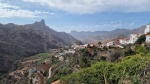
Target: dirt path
(29, 61)
(40, 78)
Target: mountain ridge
(103, 36)
(20, 41)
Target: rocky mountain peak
(42, 21)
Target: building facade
(147, 33)
(148, 38)
(134, 38)
(147, 30)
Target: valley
(75, 63)
(63, 59)
(74, 42)
(21, 41)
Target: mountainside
(88, 65)
(40, 26)
(88, 37)
(19, 41)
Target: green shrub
(139, 49)
(129, 52)
(110, 73)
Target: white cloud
(2, 5)
(93, 6)
(7, 11)
(132, 24)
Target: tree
(105, 48)
(129, 52)
(141, 40)
(103, 58)
(139, 49)
(84, 62)
(114, 56)
(99, 43)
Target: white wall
(147, 30)
(148, 38)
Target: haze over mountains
(103, 36)
(19, 41)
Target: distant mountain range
(103, 36)
(19, 41)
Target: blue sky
(79, 15)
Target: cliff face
(19, 41)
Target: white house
(124, 41)
(147, 33)
(147, 30)
(112, 43)
(147, 38)
(133, 38)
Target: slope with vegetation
(91, 65)
(19, 41)
(130, 70)
(130, 67)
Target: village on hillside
(120, 41)
(38, 74)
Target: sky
(79, 15)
